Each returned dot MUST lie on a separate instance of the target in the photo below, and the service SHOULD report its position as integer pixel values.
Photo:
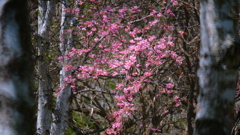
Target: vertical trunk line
(44, 116)
(60, 115)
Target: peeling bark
(16, 101)
(220, 59)
(46, 10)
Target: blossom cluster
(123, 41)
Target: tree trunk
(60, 115)
(46, 9)
(16, 101)
(219, 61)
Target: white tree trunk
(219, 61)
(60, 115)
(44, 116)
(16, 103)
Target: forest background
(116, 67)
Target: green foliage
(51, 54)
(70, 132)
(112, 85)
(83, 121)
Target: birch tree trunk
(60, 115)
(16, 101)
(46, 10)
(219, 61)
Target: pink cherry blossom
(177, 105)
(166, 111)
(169, 85)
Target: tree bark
(16, 101)
(44, 116)
(60, 115)
(219, 61)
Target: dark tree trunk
(16, 102)
(219, 61)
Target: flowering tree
(126, 67)
(132, 70)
